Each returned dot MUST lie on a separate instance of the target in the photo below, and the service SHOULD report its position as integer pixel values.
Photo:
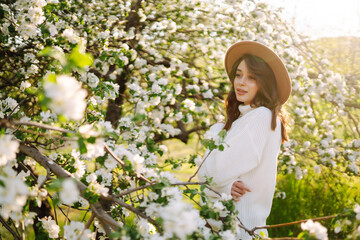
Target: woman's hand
(238, 189)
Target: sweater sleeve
(243, 153)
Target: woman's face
(245, 84)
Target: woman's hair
(266, 96)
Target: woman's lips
(241, 92)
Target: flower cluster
(67, 96)
(315, 229)
(8, 149)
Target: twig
(241, 225)
(122, 163)
(22, 224)
(12, 112)
(91, 219)
(153, 183)
(213, 190)
(295, 222)
(16, 229)
(43, 134)
(40, 126)
(7, 226)
(12, 124)
(284, 238)
(66, 216)
(48, 172)
(354, 121)
(199, 167)
(137, 211)
(87, 225)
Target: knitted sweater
(250, 157)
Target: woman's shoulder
(261, 113)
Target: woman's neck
(244, 109)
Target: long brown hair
(266, 96)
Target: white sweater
(252, 158)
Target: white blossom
(36, 15)
(315, 229)
(71, 36)
(208, 94)
(69, 192)
(178, 89)
(189, 104)
(354, 168)
(179, 219)
(8, 149)
(99, 188)
(77, 231)
(67, 96)
(24, 85)
(317, 169)
(52, 29)
(96, 149)
(50, 226)
(306, 144)
(27, 30)
(92, 79)
(88, 130)
(357, 211)
(27, 218)
(13, 194)
(10, 103)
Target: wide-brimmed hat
(282, 77)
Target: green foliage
(129, 231)
(91, 196)
(77, 59)
(313, 196)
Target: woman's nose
(241, 80)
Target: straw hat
(239, 49)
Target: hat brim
(282, 77)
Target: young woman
(256, 127)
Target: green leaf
(221, 147)
(91, 140)
(55, 185)
(82, 145)
(54, 53)
(31, 90)
(51, 78)
(61, 118)
(79, 58)
(138, 117)
(222, 133)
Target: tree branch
(40, 126)
(104, 218)
(7, 226)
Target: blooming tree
(90, 90)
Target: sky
(322, 18)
